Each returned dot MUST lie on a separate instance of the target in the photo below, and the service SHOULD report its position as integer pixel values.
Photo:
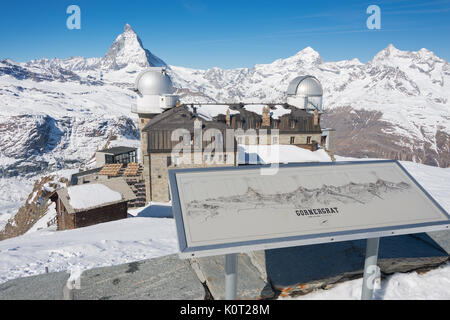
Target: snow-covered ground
(433, 285)
(151, 233)
(105, 244)
(13, 193)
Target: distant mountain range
(56, 113)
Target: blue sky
(226, 34)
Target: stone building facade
(296, 127)
(158, 145)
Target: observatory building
(154, 90)
(295, 122)
(305, 93)
(154, 94)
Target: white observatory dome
(305, 92)
(154, 81)
(305, 86)
(155, 92)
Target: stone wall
(158, 167)
(300, 138)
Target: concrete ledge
(43, 287)
(300, 270)
(251, 284)
(166, 278)
(290, 271)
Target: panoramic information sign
(237, 209)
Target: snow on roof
(266, 154)
(209, 111)
(256, 108)
(279, 112)
(91, 195)
(275, 113)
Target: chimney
(197, 124)
(266, 117)
(316, 117)
(228, 117)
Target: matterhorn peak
(128, 50)
(128, 28)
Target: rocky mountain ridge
(56, 112)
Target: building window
(109, 159)
(275, 124)
(292, 140)
(169, 161)
(292, 124)
(308, 140)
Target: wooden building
(89, 204)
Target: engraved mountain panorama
(327, 195)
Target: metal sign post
(370, 268)
(231, 265)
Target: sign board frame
(291, 241)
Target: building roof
(180, 117)
(87, 196)
(185, 115)
(74, 178)
(117, 150)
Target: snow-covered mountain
(56, 113)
